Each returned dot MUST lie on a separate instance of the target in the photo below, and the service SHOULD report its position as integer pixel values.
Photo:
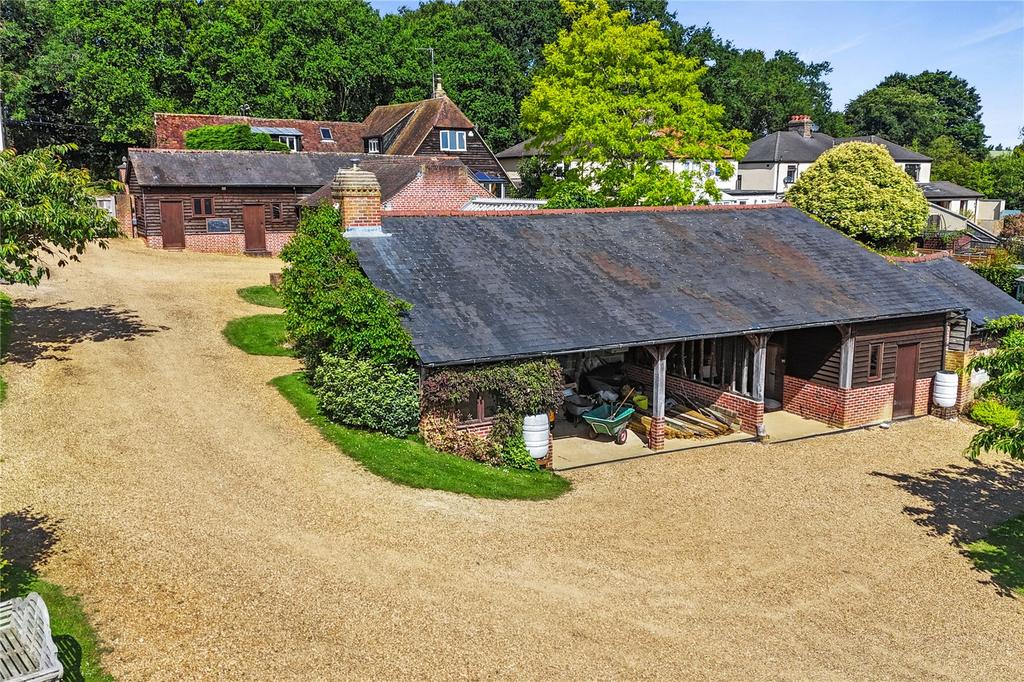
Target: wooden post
(656, 436)
(846, 356)
(759, 342)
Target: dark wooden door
(253, 217)
(906, 380)
(775, 370)
(172, 224)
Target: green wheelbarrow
(605, 419)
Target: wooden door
(775, 370)
(906, 379)
(254, 217)
(172, 224)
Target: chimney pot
(800, 123)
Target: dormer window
(373, 145)
(290, 140)
(325, 135)
(453, 140)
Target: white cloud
(1014, 22)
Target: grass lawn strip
(5, 333)
(264, 295)
(410, 462)
(1002, 554)
(77, 645)
(259, 334)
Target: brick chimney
(357, 195)
(438, 90)
(800, 123)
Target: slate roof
(966, 288)
(178, 168)
(549, 282)
(427, 114)
(791, 147)
(938, 190)
(520, 150)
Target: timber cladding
(227, 204)
(477, 155)
(927, 331)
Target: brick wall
(922, 396)
(479, 428)
(956, 361)
(865, 405)
(812, 400)
(225, 243)
(750, 412)
(439, 189)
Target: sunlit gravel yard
(212, 534)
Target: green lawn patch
(410, 462)
(264, 295)
(259, 334)
(5, 336)
(1002, 554)
(77, 645)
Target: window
(202, 206)
(790, 175)
(373, 145)
(913, 170)
(290, 140)
(739, 182)
(275, 211)
(477, 408)
(875, 354)
(453, 140)
(325, 135)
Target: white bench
(27, 651)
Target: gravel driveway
(213, 535)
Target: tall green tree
(760, 93)
(897, 113)
(950, 162)
(959, 103)
(48, 214)
(613, 100)
(857, 189)
(1008, 177)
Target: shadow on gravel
(28, 538)
(47, 332)
(964, 503)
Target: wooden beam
(846, 352)
(760, 344)
(656, 435)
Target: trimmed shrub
(367, 394)
(331, 306)
(994, 413)
(231, 136)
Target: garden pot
(535, 434)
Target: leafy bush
(571, 194)
(231, 136)
(1001, 270)
(368, 394)
(1013, 226)
(1005, 368)
(441, 433)
(514, 455)
(331, 306)
(857, 189)
(994, 413)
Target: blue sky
(982, 42)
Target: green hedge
(231, 136)
(367, 394)
(994, 413)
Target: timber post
(656, 436)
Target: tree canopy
(857, 189)
(914, 110)
(48, 213)
(950, 162)
(1006, 385)
(612, 100)
(231, 136)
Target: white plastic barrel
(535, 433)
(944, 388)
